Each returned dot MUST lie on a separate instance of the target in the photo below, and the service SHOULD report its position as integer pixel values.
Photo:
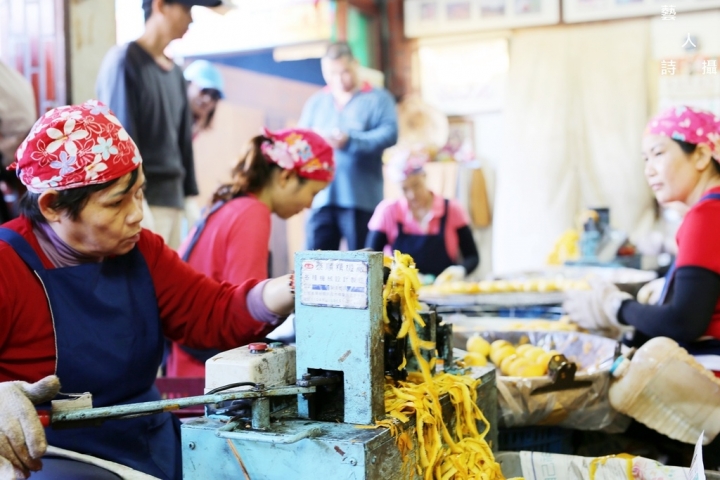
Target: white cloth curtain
(576, 107)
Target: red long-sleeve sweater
(195, 310)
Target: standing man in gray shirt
(148, 94)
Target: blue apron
(428, 251)
(109, 342)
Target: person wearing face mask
(681, 149)
(148, 92)
(280, 173)
(205, 89)
(433, 230)
(89, 296)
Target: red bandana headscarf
(75, 146)
(303, 151)
(690, 125)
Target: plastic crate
(182, 387)
(536, 439)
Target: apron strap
(22, 248)
(671, 272)
(443, 220)
(199, 227)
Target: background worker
(359, 122)
(17, 115)
(280, 173)
(148, 93)
(205, 89)
(433, 230)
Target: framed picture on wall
(440, 17)
(590, 10)
(464, 78)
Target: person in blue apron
(681, 149)
(88, 296)
(280, 173)
(433, 230)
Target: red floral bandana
(75, 146)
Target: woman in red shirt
(681, 149)
(280, 173)
(88, 296)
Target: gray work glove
(597, 308)
(22, 437)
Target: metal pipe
(252, 436)
(150, 408)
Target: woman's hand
(279, 295)
(650, 293)
(597, 308)
(22, 437)
(453, 273)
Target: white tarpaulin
(577, 103)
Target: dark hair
(147, 7)
(215, 95)
(338, 50)
(71, 201)
(251, 174)
(689, 149)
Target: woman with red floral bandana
(279, 173)
(88, 296)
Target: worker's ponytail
(251, 174)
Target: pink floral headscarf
(303, 151)
(75, 146)
(689, 125)
(406, 161)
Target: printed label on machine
(334, 283)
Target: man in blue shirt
(359, 121)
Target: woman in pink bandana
(89, 296)
(280, 173)
(681, 149)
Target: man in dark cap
(148, 93)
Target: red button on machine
(258, 347)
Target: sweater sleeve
(383, 132)
(695, 292)
(468, 249)
(115, 86)
(196, 310)
(190, 188)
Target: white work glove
(649, 294)
(597, 308)
(453, 273)
(22, 437)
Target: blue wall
(307, 71)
